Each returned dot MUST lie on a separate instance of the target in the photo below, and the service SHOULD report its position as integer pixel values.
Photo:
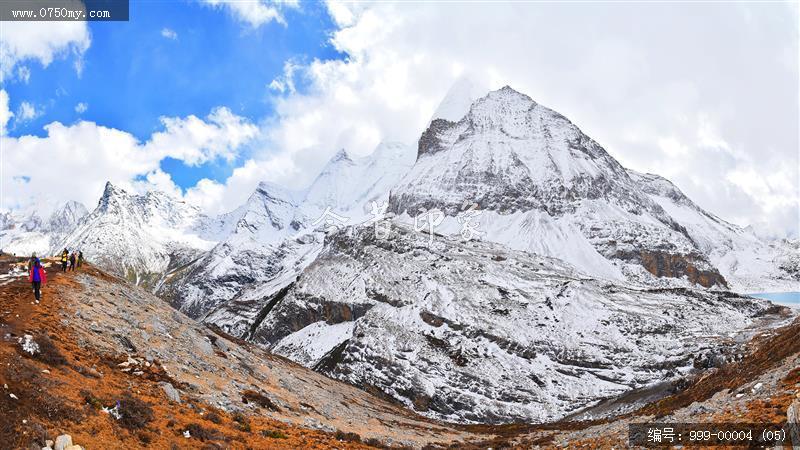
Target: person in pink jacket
(37, 276)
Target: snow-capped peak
(110, 191)
(278, 232)
(457, 101)
(348, 185)
(139, 235)
(547, 187)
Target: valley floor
(103, 347)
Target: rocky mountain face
(63, 220)
(473, 331)
(140, 237)
(454, 330)
(747, 262)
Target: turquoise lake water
(784, 298)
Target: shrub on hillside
(134, 413)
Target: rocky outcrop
(429, 142)
(793, 422)
(662, 264)
(284, 319)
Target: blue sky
(133, 74)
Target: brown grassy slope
(58, 391)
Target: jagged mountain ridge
(278, 232)
(140, 236)
(543, 188)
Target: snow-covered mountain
(510, 170)
(748, 263)
(537, 183)
(278, 232)
(473, 331)
(586, 279)
(64, 219)
(349, 185)
(550, 276)
(251, 254)
(26, 232)
(140, 236)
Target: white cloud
(5, 112)
(81, 107)
(93, 154)
(26, 112)
(196, 141)
(285, 83)
(40, 41)
(169, 33)
(254, 12)
(277, 85)
(216, 198)
(653, 98)
(24, 74)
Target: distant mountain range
(508, 268)
(26, 232)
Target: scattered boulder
(62, 442)
(697, 408)
(792, 420)
(172, 394)
(315, 424)
(204, 345)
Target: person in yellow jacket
(64, 260)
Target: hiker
(72, 261)
(80, 259)
(64, 260)
(37, 276)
